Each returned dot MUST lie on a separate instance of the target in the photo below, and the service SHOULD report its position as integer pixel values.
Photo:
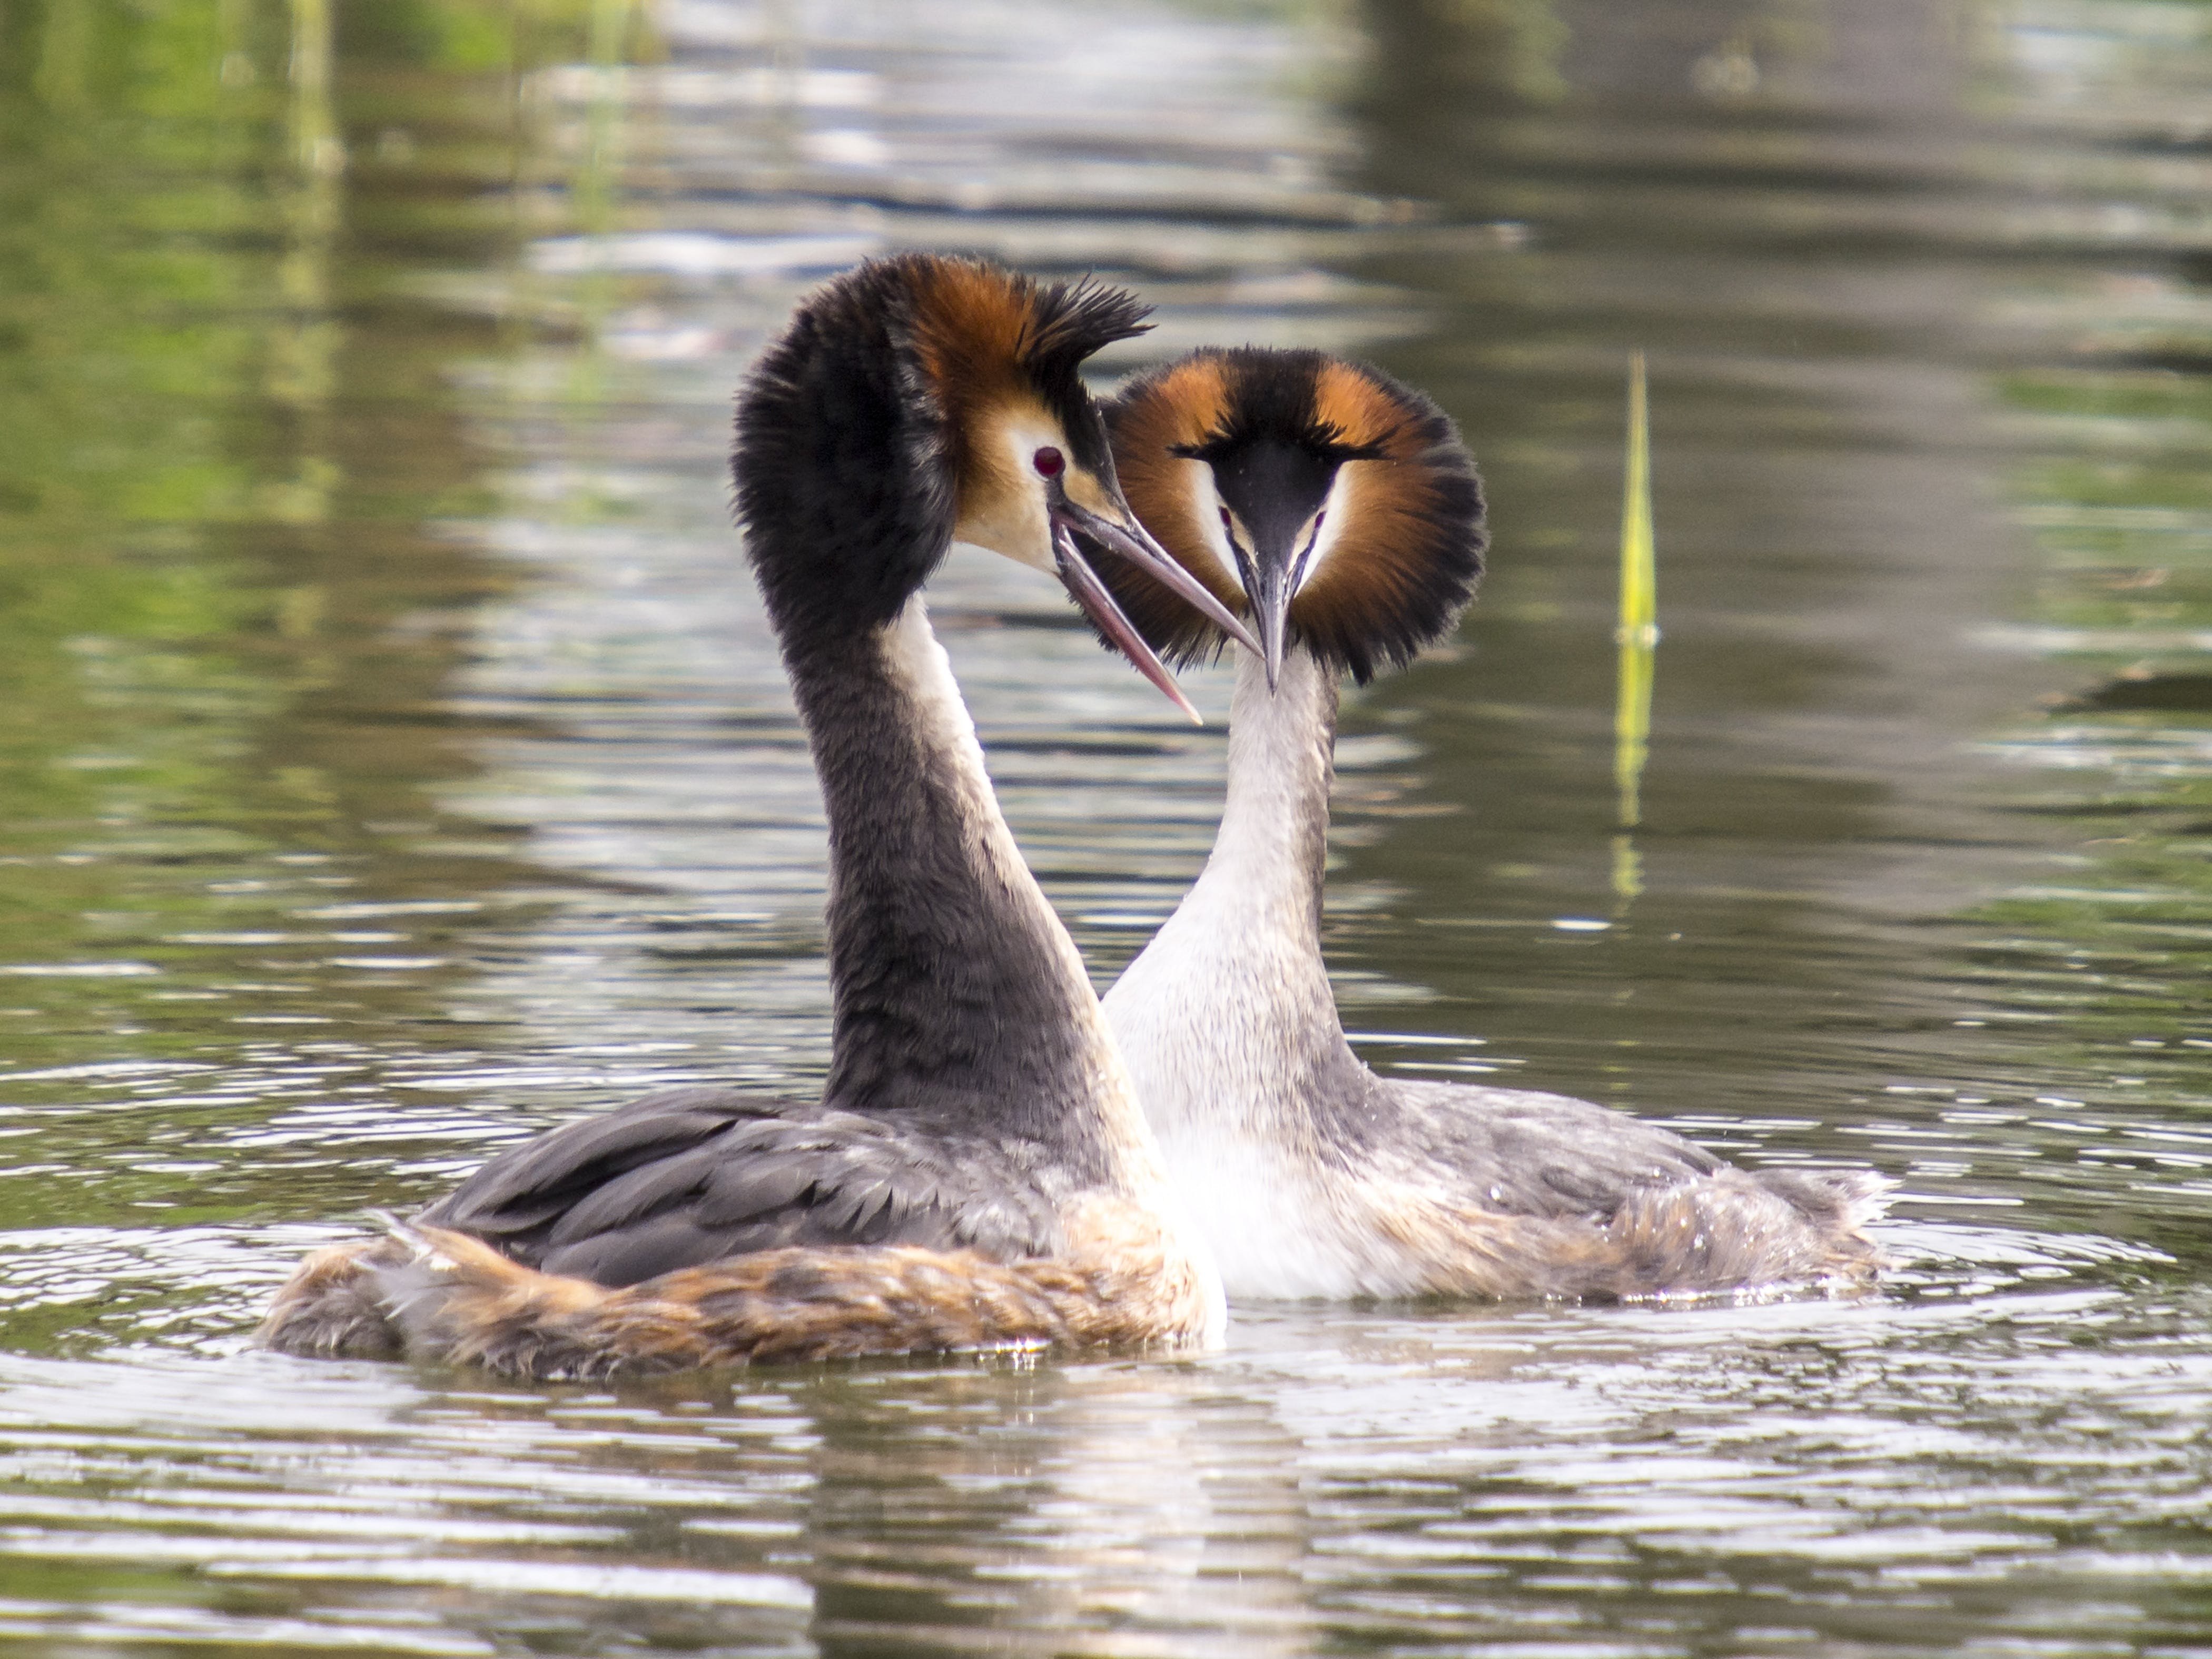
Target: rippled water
(397, 762)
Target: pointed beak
(1086, 590)
(1130, 541)
(1270, 584)
(1270, 572)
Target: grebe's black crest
(855, 434)
(1323, 490)
(919, 399)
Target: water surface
(399, 763)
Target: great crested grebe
(978, 1171)
(1342, 508)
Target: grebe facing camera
(1341, 508)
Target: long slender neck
(958, 992)
(1227, 1017)
(1273, 846)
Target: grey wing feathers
(1552, 1155)
(693, 1175)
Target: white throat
(941, 715)
(1229, 1026)
(1213, 1013)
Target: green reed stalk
(1637, 634)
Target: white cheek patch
(1205, 501)
(1336, 509)
(1011, 520)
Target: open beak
(1132, 542)
(1086, 590)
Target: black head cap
(855, 431)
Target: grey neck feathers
(1228, 1013)
(958, 994)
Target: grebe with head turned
(1342, 508)
(978, 1171)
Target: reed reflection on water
(397, 763)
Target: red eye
(1049, 462)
